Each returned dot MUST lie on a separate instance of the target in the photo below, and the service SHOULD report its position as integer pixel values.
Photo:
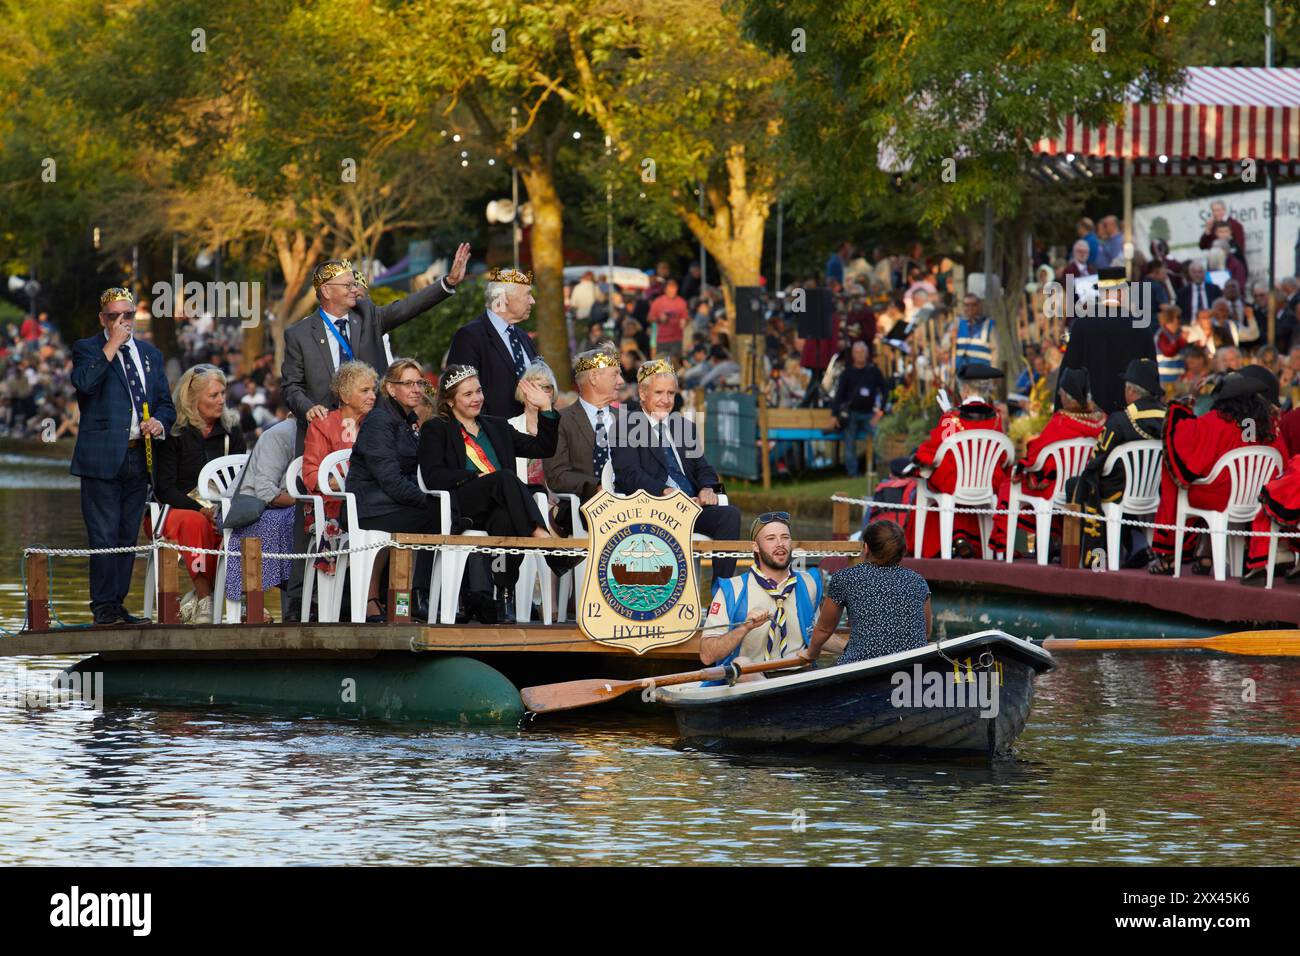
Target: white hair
(496, 291)
(977, 387)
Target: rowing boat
(968, 695)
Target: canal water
(1128, 759)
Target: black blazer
(479, 345)
(1104, 345)
(642, 468)
(381, 471)
(180, 458)
(1212, 292)
(442, 449)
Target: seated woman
(262, 508)
(472, 455)
(540, 374)
(382, 474)
(205, 429)
(354, 383)
(888, 604)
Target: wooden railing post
(250, 559)
(169, 599)
(1071, 536)
(38, 592)
(840, 519)
(399, 586)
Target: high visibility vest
(1171, 369)
(974, 346)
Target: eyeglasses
(118, 315)
(350, 286)
(409, 382)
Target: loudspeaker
(815, 320)
(749, 309)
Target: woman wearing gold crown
(472, 455)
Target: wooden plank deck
(317, 640)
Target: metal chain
(963, 509)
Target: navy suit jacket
(643, 468)
(105, 401)
(478, 344)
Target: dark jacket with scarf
(442, 449)
(181, 457)
(381, 472)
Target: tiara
(457, 374)
(329, 270)
(596, 358)
(116, 294)
(657, 367)
(510, 275)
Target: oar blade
(548, 698)
(1258, 643)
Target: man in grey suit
(583, 444)
(346, 325)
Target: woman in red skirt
(205, 429)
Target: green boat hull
(428, 689)
(961, 610)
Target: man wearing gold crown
(125, 404)
(659, 451)
(493, 343)
(585, 426)
(346, 326)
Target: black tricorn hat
(1272, 391)
(978, 370)
(1110, 277)
(1237, 385)
(1074, 382)
(1145, 374)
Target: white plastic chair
(1141, 498)
(1249, 469)
(534, 571)
(448, 563)
(157, 518)
(216, 483)
(1273, 529)
(329, 601)
(569, 579)
(977, 453)
(1069, 458)
(360, 565)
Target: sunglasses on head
(774, 516)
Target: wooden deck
(317, 640)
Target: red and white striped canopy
(1222, 113)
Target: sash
(475, 453)
(344, 348)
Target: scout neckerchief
(475, 453)
(344, 347)
(776, 627)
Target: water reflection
(1150, 759)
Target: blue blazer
(477, 343)
(105, 401)
(643, 468)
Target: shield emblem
(640, 590)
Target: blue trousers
(858, 421)
(112, 509)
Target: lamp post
(514, 186)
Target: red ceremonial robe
(971, 414)
(1062, 426)
(1192, 448)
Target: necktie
(343, 333)
(517, 352)
(670, 462)
(601, 453)
(133, 380)
(777, 631)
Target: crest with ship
(642, 563)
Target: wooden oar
(1262, 643)
(547, 698)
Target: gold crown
(510, 275)
(329, 270)
(657, 367)
(456, 374)
(115, 294)
(596, 358)
(361, 279)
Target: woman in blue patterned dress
(888, 604)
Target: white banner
(1182, 223)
